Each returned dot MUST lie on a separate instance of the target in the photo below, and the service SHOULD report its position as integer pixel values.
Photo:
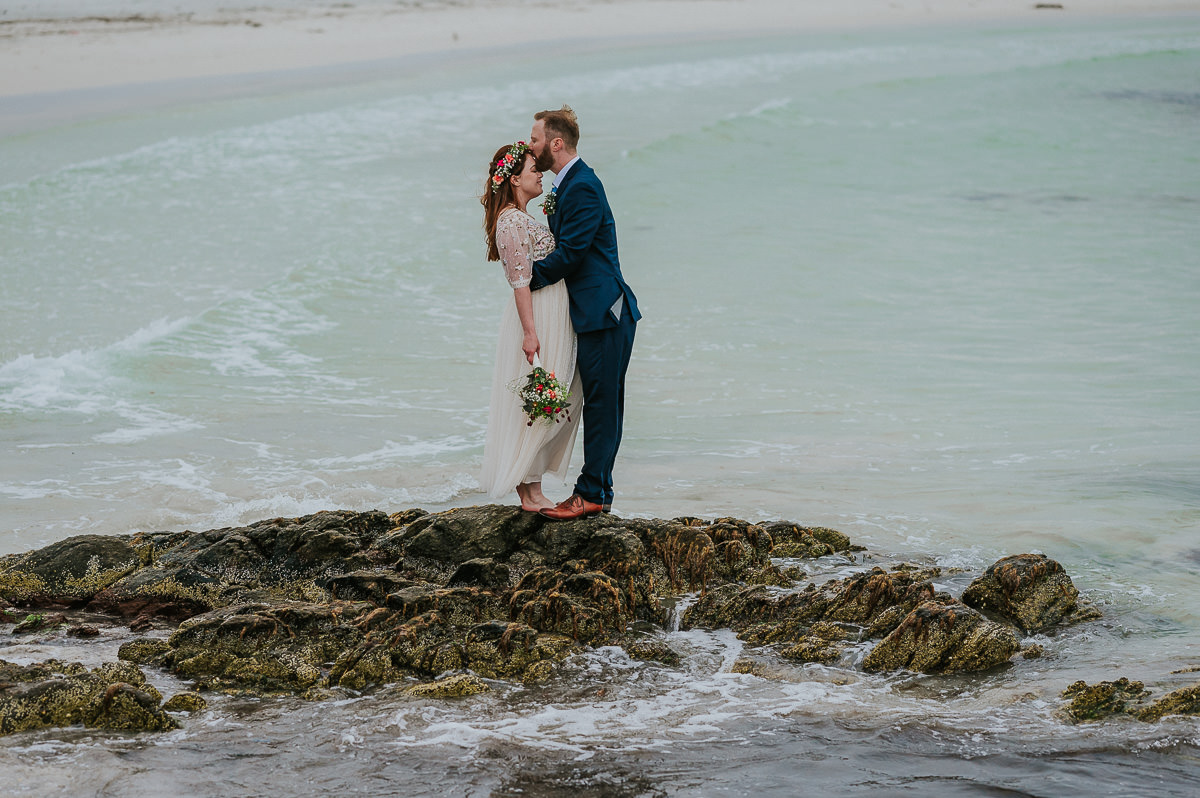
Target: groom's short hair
(560, 124)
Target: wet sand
(60, 63)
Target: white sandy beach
(39, 56)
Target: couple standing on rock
(572, 311)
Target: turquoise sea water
(935, 288)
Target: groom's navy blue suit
(604, 313)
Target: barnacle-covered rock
(110, 697)
(1030, 590)
(144, 651)
(1096, 701)
(651, 650)
(264, 648)
(337, 602)
(824, 642)
(764, 615)
(67, 573)
(185, 702)
(941, 637)
(450, 687)
(1184, 701)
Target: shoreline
(60, 70)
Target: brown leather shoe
(569, 509)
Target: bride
(535, 323)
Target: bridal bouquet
(543, 397)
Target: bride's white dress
(516, 452)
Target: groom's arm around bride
(604, 310)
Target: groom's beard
(545, 161)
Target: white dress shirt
(558, 178)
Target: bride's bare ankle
(527, 493)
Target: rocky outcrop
(344, 601)
(451, 687)
(189, 573)
(818, 622)
(1185, 701)
(1031, 591)
(67, 573)
(1096, 701)
(350, 600)
(1125, 697)
(49, 694)
(943, 637)
(185, 702)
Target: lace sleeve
(515, 245)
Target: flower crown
(505, 166)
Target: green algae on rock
(39, 621)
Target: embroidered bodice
(521, 240)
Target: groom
(604, 311)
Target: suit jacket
(586, 254)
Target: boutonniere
(551, 201)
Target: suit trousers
(603, 358)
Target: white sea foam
(78, 380)
(645, 707)
(90, 385)
(414, 449)
(42, 489)
(33, 382)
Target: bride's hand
(530, 346)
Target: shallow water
(935, 289)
